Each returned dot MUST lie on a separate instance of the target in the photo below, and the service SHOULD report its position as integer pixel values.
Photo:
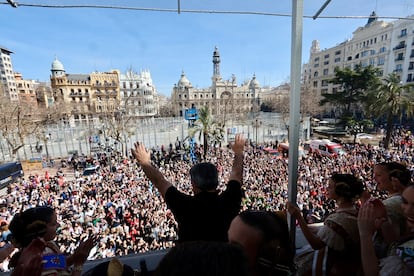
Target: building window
(324, 83)
(326, 56)
(381, 60)
(364, 53)
(337, 52)
(338, 59)
(315, 75)
(403, 32)
(398, 68)
(325, 72)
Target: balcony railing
(398, 47)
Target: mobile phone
(54, 261)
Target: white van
(283, 148)
(326, 147)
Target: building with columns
(138, 94)
(388, 46)
(222, 97)
(7, 80)
(86, 96)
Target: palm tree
(391, 99)
(206, 127)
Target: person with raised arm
(207, 214)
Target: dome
(183, 82)
(254, 83)
(57, 65)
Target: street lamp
(47, 138)
(256, 124)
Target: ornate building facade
(388, 46)
(222, 97)
(86, 96)
(138, 94)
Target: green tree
(208, 128)
(391, 99)
(354, 126)
(353, 87)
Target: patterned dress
(400, 259)
(341, 255)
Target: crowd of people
(126, 210)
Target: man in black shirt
(206, 215)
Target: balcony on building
(399, 46)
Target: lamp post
(47, 137)
(256, 125)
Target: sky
(158, 38)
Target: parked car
(91, 170)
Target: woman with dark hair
(40, 223)
(391, 178)
(264, 236)
(336, 244)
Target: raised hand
(30, 260)
(366, 219)
(141, 154)
(239, 142)
(81, 253)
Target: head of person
(407, 205)
(204, 177)
(264, 236)
(344, 186)
(37, 222)
(383, 173)
(203, 258)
